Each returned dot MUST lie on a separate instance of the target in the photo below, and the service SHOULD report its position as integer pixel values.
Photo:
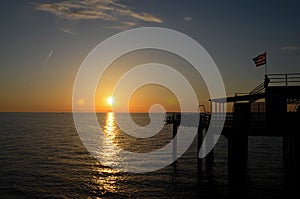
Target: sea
(42, 156)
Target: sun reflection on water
(110, 124)
(105, 179)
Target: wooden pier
(271, 109)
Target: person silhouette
(267, 81)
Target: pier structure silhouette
(270, 109)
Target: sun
(110, 100)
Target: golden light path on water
(107, 179)
(110, 124)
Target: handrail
(258, 89)
(288, 79)
(280, 74)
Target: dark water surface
(41, 156)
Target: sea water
(42, 156)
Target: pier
(270, 109)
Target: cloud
(290, 48)
(188, 19)
(146, 17)
(124, 26)
(66, 30)
(106, 10)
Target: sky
(43, 44)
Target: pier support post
(237, 160)
(175, 128)
(290, 157)
(200, 140)
(209, 158)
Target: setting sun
(110, 100)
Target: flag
(260, 59)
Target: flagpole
(266, 72)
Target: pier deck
(264, 111)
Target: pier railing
(291, 79)
(258, 89)
(256, 114)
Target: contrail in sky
(48, 58)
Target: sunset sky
(43, 44)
